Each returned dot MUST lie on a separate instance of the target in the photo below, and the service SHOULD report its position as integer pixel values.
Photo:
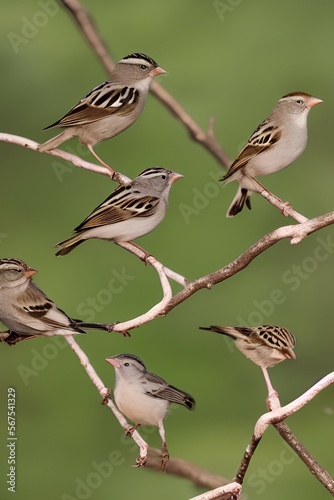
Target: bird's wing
(120, 206)
(43, 312)
(101, 102)
(160, 389)
(265, 136)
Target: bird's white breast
(138, 406)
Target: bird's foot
(129, 432)
(110, 328)
(12, 338)
(164, 458)
(140, 461)
(106, 397)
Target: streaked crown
(139, 58)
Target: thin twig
(166, 288)
(280, 414)
(182, 468)
(64, 155)
(142, 254)
(294, 232)
(311, 463)
(284, 207)
(228, 492)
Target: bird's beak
(314, 101)
(113, 362)
(158, 71)
(290, 354)
(30, 272)
(175, 177)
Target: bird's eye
(126, 364)
(300, 101)
(143, 67)
(163, 177)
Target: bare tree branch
(276, 417)
(64, 155)
(311, 463)
(182, 468)
(295, 232)
(231, 491)
(283, 412)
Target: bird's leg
(271, 390)
(164, 449)
(272, 400)
(101, 161)
(141, 460)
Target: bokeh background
(232, 60)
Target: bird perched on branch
(27, 311)
(145, 398)
(265, 345)
(130, 212)
(276, 143)
(109, 108)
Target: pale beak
(175, 177)
(290, 353)
(157, 71)
(30, 272)
(113, 362)
(313, 101)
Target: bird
(144, 398)
(131, 211)
(111, 107)
(276, 143)
(27, 311)
(265, 345)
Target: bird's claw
(164, 458)
(140, 461)
(105, 398)
(110, 328)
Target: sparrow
(276, 143)
(131, 211)
(27, 311)
(265, 345)
(109, 108)
(144, 397)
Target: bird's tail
(229, 331)
(67, 246)
(238, 202)
(93, 326)
(54, 142)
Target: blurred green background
(232, 60)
